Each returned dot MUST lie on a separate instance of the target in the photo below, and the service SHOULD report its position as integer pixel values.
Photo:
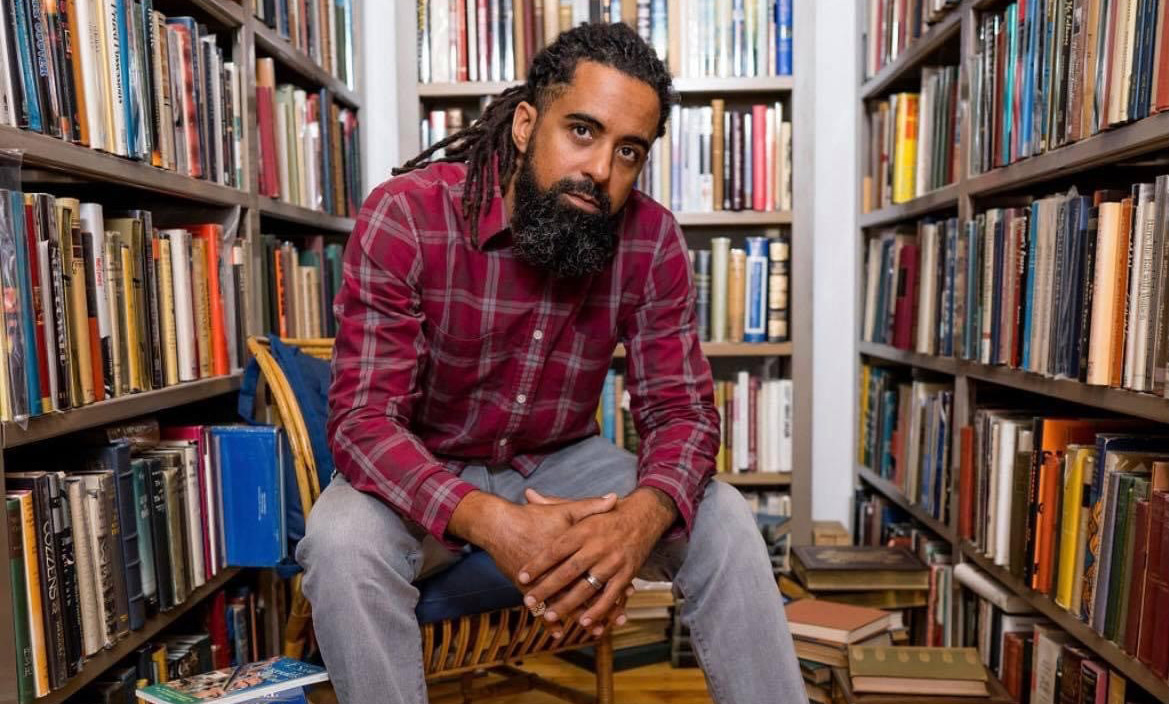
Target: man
(483, 296)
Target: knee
(724, 523)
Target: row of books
(299, 284)
(914, 140)
(1047, 73)
(743, 294)
(132, 530)
(124, 79)
(1071, 286)
(905, 435)
(321, 29)
(1035, 660)
(224, 635)
(309, 147)
(744, 38)
(756, 429)
(1077, 509)
(100, 307)
(715, 158)
(892, 26)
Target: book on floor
(836, 623)
(237, 685)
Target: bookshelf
(791, 359)
(50, 164)
(955, 35)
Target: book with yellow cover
(736, 296)
(1071, 548)
(202, 306)
(166, 294)
(905, 149)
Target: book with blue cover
(253, 682)
(250, 464)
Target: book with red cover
(1154, 646)
(1161, 62)
(1016, 665)
(460, 40)
(759, 157)
(210, 234)
(966, 482)
(31, 224)
(903, 313)
(1140, 553)
(1093, 683)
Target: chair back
(289, 414)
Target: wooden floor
(653, 684)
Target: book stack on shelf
(130, 82)
(725, 167)
(129, 228)
(1032, 287)
(132, 529)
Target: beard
(553, 236)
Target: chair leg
(466, 686)
(604, 663)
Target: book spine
(702, 284)
(755, 290)
(159, 522)
(37, 603)
(70, 600)
(25, 683)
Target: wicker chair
(495, 641)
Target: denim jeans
(362, 559)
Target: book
(237, 684)
(912, 670)
(252, 538)
(858, 568)
(836, 623)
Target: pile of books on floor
(873, 576)
(877, 674)
(278, 679)
(823, 631)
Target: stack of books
(905, 435)
(102, 304)
(1050, 73)
(872, 576)
(823, 631)
(131, 528)
(742, 293)
(756, 430)
(309, 147)
(298, 283)
(124, 80)
(914, 145)
(279, 679)
(895, 25)
(321, 29)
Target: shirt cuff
(435, 499)
(685, 504)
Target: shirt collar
(493, 214)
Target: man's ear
(523, 123)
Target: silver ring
(539, 609)
(594, 582)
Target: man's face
(580, 159)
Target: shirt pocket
(461, 370)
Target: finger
(551, 556)
(561, 578)
(535, 497)
(568, 605)
(613, 590)
(583, 508)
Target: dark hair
(615, 45)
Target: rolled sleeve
(379, 350)
(670, 384)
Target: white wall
(836, 78)
(379, 117)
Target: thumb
(535, 497)
(579, 510)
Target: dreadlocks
(615, 45)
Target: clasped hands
(550, 546)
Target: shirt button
(538, 335)
(521, 399)
(503, 442)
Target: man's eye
(581, 131)
(629, 154)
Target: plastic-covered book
(237, 685)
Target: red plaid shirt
(448, 353)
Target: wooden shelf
(52, 425)
(755, 479)
(270, 207)
(942, 199)
(42, 151)
(97, 665)
(1106, 147)
(892, 493)
(949, 28)
(735, 349)
(684, 86)
(1109, 651)
(270, 43)
(1131, 403)
(730, 86)
(229, 12)
(734, 218)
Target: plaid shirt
(448, 353)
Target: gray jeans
(361, 560)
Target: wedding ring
(539, 609)
(594, 582)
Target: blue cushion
(472, 586)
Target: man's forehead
(619, 101)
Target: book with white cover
(180, 241)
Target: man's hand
(611, 546)
(513, 534)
